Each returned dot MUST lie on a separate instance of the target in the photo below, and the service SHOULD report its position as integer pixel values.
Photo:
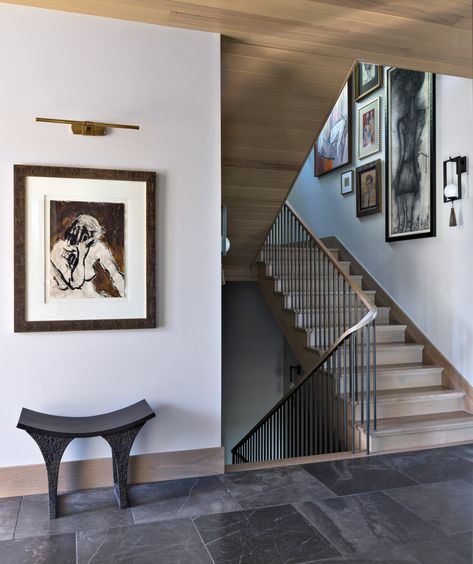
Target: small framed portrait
(346, 182)
(84, 249)
(368, 78)
(368, 189)
(369, 134)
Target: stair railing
(319, 414)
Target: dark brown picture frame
(372, 86)
(21, 175)
(376, 208)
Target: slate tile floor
(403, 508)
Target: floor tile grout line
(316, 528)
(201, 539)
(17, 517)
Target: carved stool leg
(121, 444)
(52, 449)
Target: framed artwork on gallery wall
(85, 249)
(346, 182)
(368, 78)
(333, 145)
(410, 155)
(368, 189)
(369, 132)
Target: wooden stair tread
(387, 368)
(418, 423)
(415, 394)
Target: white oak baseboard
(96, 473)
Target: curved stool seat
(53, 433)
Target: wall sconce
(453, 191)
(225, 240)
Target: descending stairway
(397, 400)
(414, 409)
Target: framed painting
(85, 249)
(368, 189)
(368, 78)
(346, 182)
(410, 155)
(333, 145)
(369, 132)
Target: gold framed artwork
(368, 189)
(368, 78)
(85, 249)
(369, 129)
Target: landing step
(405, 402)
(420, 430)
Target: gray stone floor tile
(366, 523)
(180, 498)
(458, 547)
(164, 542)
(268, 535)
(9, 508)
(358, 475)
(274, 486)
(442, 552)
(395, 555)
(432, 465)
(448, 506)
(58, 549)
(465, 451)
(78, 511)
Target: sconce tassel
(453, 217)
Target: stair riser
(390, 335)
(303, 286)
(420, 439)
(318, 318)
(304, 270)
(384, 358)
(292, 253)
(421, 407)
(292, 302)
(407, 379)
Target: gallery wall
(168, 82)
(429, 278)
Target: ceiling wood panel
(283, 65)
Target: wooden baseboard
(96, 473)
(451, 377)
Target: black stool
(119, 428)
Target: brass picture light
(88, 127)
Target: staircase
(396, 400)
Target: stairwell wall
(431, 279)
(168, 81)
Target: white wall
(167, 81)
(431, 279)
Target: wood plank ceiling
(283, 65)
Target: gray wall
(253, 358)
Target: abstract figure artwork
(410, 162)
(87, 257)
(333, 146)
(85, 249)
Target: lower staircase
(367, 383)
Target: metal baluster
(352, 387)
(368, 394)
(375, 370)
